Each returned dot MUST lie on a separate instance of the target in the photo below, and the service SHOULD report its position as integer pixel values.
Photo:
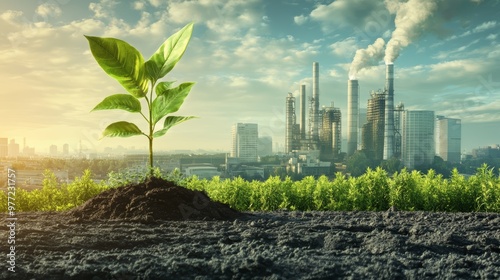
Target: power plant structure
(314, 116)
(302, 113)
(389, 112)
(381, 136)
(372, 142)
(352, 116)
(387, 133)
(324, 132)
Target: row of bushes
(375, 190)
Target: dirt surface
(155, 199)
(276, 245)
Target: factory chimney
(352, 116)
(389, 112)
(315, 99)
(302, 112)
(290, 122)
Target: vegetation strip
(375, 190)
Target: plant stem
(151, 129)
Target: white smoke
(411, 22)
(414, 18)
(367, 57)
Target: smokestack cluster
(352, 116)
(389, 112)
(413, 18)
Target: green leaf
(120, 101)
(169, 101)
(121, 129)
(169, 53)
(162, 87)
(169, 122)
(122, 62)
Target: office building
(417, 138)
(265, 146)
(245, 142)
(331, 133)
(372, 140)
(13, 149)
(448, 139)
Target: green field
(375, 190)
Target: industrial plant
(389, 132)
(325, 128)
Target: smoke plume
(367, 57)
(414, 18)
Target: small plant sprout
(140, 79)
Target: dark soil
(142, 232)
(156, 199)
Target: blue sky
(245, 56)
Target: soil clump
(155, 199)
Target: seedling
(140, 79)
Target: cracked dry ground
(274, 245)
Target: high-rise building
(417, 138)
(398, 116)
(352, 116)
(13, 148)
(4, 147)
(372, 141)
(65, 149)
(315, 103)
(292, 129)
(448, 138)
(245, 141)
(330, 136)
(53, 150)
(265, 146)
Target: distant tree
(358, 163)
(392, 165)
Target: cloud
(492, 37)
(300, 20)
(12, 17)
(226, 18)
(456, 53)
(367, 15)
(344, 48)
(155, 3)
(48, 10)
(103, 9)
(484, 26)
(138, 5)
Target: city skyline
(245, 58)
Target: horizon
(245, 58)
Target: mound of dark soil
(155, 199)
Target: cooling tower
(315, 98)
(389, 112)
(302, 111)
(352, 116)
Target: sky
(245, 56)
